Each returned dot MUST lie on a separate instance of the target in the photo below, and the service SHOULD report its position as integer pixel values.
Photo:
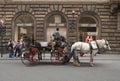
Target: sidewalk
(6, 57)
(85, 57)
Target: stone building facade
(75, 18)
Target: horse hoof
(65, 60)
(76, 64)
(91, 64)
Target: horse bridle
(98, 45)
(106, 42)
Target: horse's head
(106, 45)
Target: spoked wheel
(29, 58)
(25, 59)
(57, 56)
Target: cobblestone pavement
(85, 57)
(106, 68)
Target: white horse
(91, 48)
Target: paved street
(106, 68)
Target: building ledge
(54, 1)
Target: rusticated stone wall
(108, 22)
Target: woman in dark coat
(11, 50)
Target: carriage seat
(44, 44)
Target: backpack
(18, 46)
(10, 46)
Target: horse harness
(91, 48)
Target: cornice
(54, 2)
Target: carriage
(42, 52)
(55, 52)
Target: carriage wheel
(30, 59)
(57, 55)
(37, 57)
(25, 59)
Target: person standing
(18, 49)
(11, 49)
(87, 39)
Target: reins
(90, 48)
(97, 46)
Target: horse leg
(75, 59)
(91, 59)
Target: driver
(56, 34)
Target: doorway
(24, 25)
(54, 21)
(87, 27)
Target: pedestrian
(23, 46)
(18, 49)
(11, 49)
(87, 39)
